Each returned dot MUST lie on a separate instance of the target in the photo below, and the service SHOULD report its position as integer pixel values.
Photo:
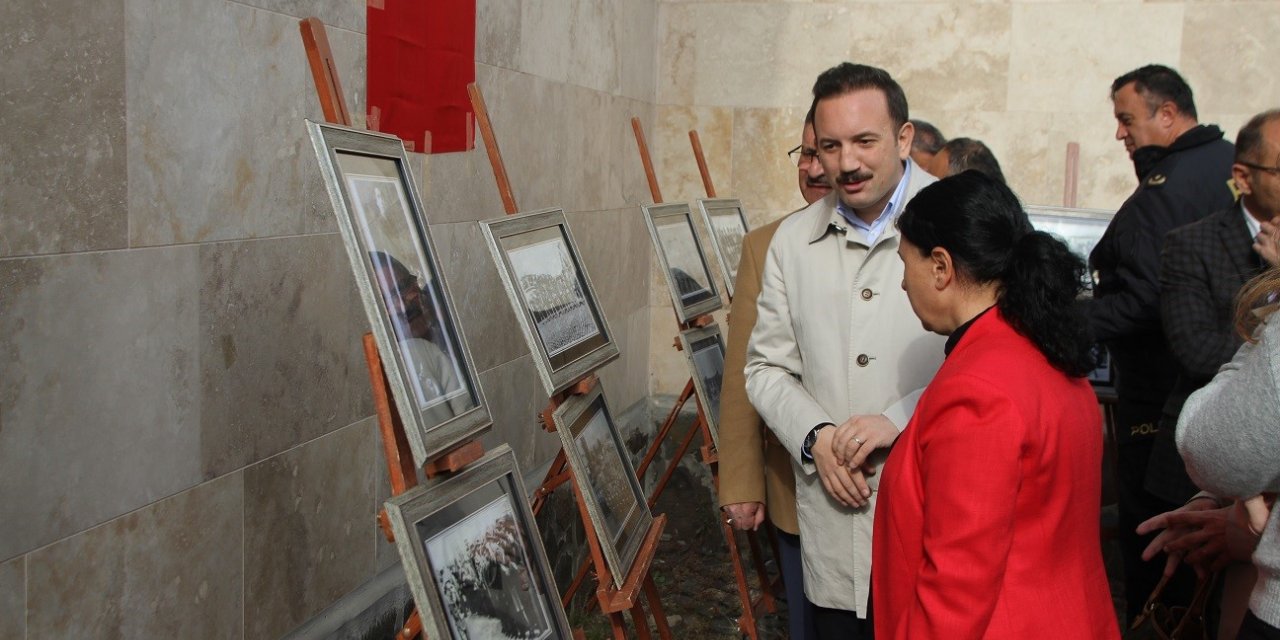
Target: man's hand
(1205, 537)
(1267, 243)
(859, 436)
(847, 486)
(744, 515)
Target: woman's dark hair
(980, 222)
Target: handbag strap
(1148, 609)
(1195, 611)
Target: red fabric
(986, 524)
(421, 56)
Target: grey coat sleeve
(1229, 431)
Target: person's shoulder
(799, 226)
(1204, 227)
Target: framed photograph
(704, 349)
(380, 215)
(727, 224)
(602, 469)
(1080, 229)
(680, 256)
(473, 556)
(551, 295)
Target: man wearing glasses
(1184, 174)
(755, 471)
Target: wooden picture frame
(726, 223)
(473, 555)
(411, 312)
(551, 295)
(682, 260)
(1080, 229)
(704, 349)
(604, 475)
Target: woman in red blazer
(987, 520)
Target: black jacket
(1177, 185)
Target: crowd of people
(905, 398)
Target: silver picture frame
(473, 555)
(704, 350)
(726, 224)
(605, 477)
(1080, 229)
(551, 295)
(424, 355)
(682, 260)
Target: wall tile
(62, 185)
(307, 522)
(626, 380)
(617, 276)
(528, 122)
(344, 14)
(481, 304)
(1242, 33)
(571, 41)
(13, 599)
(673, 158)
(677, 63)
(349, 54)
(516, 396)
(169, 570)
(220, 158)
(99, 375)
(1051, 42)
(498, 33)
(636, 26)
(276, 341)
(765, 180)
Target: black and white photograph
(549, 282)
(485, 577)
(727, 225)
(704, 349)
(683, 263)
(602, 469)
(551, 294)
(473, 556)
(387, 238)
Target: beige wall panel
(677, 54)
(1229, 54)
(498, 33)
(1064, 56)
(170, 570)
(673, 158)
(573, 41)
(765, 180)
(13, 599)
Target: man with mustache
(1184, 173)
(835, 341)
(755, 471)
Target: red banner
(421, 56)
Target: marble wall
(186, 445)
(1025, 76)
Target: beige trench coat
(835, 337)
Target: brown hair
(1256, 296)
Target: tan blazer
(754, 467)
(835, 337)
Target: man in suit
(835, 340)
(755, 471)
(1184, 169)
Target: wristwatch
(806, 449)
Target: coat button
(863, 359)
(867, 293)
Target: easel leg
(666, 429)
(642, 622)
(757, 554)
(747, 622)
(655, 604)
(618, 625)
(675, 462)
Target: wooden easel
(395, 445)
(614, 601)
(747, 621)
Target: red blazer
(986, 525)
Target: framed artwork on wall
(384, 228)
(473, 556)
(727, 224)
(551, 295)
(683, 263)
(1080, 229)
(603, 472)
(704, 348)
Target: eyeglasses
(800, 155)
(1273, 171)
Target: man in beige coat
(755, 470)
(835, 342)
